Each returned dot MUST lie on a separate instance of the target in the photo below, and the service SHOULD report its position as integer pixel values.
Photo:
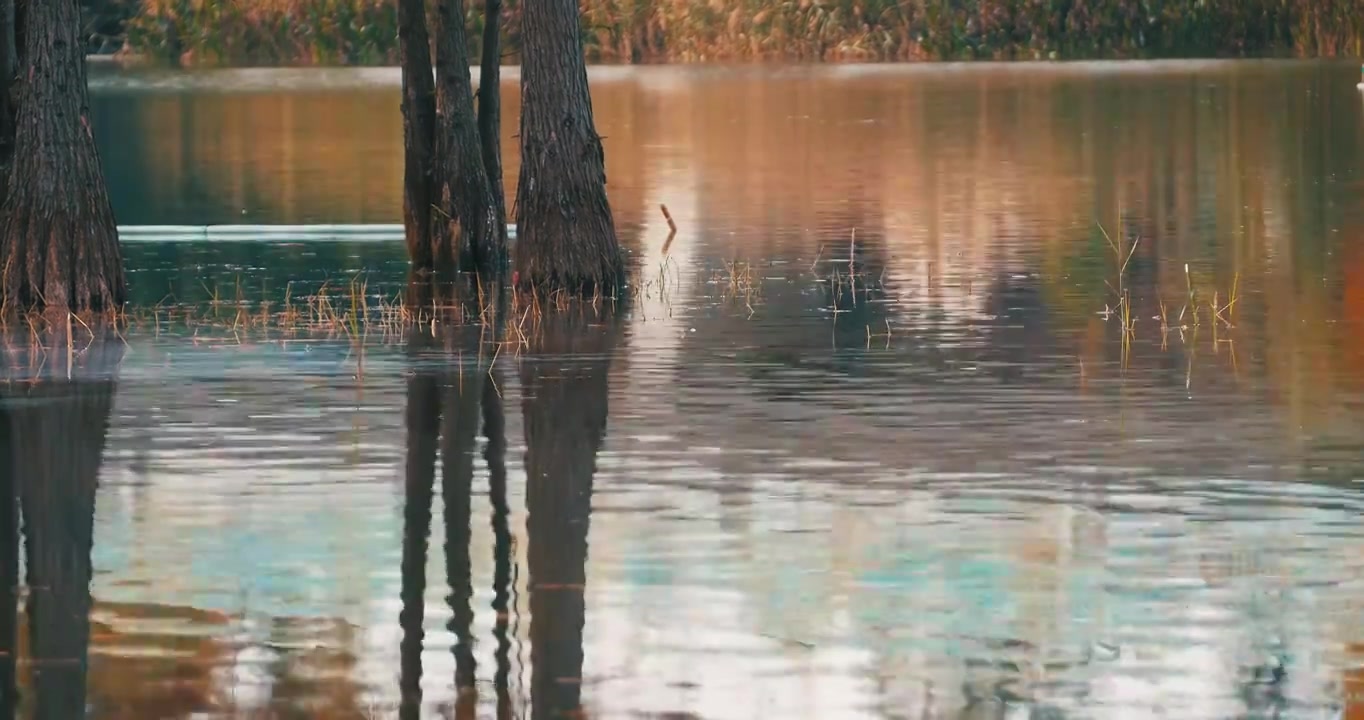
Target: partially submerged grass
(738, 283)
(350, 310)
(347, 310)
(1191, 306)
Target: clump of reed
(364, 31)
(347, 309)
(848, 284)
(1220, 309)
(738, 283)
(691, 30)
(265, 32)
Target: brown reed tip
(672, 226)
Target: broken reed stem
(672, 229)
(672, 226)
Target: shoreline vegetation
(236, 33)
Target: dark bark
(20, 40)
(9, 60)
(58, 239)
(566, 237)
(565, 409)
(465, 234)
(57, 430)
(451, 210)
(490, 117)
(419, 127)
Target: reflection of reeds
(886, 335)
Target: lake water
(978, 485)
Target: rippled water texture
(959, 484)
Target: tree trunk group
(454, 207)
(450, 204)
(59, 242)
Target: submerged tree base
(556, 285)
(566, 236)
(44, 266)
(58, 238)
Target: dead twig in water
(672, 228)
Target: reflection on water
(442, 412)
(55, 422)
(867, 446)
(565, 385)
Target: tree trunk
(564, 409)
(58, 239)
(419, 126)
(490, 116)
(9, 60)
(566, 238)
(465, 233)
(450, 209)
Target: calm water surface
(954, 491)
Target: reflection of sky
(260, 562)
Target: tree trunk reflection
(442, 415)
(55, 427)
(564, 383)
(495, 454)
(463, 380)
(423, 427)
(9, 571)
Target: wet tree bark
(419, 127)
(467, 212)
(57, 431)
(9, 60)
(450, 207)
(566, 237)
(565, 409)
(490, 117)
(58, 239)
